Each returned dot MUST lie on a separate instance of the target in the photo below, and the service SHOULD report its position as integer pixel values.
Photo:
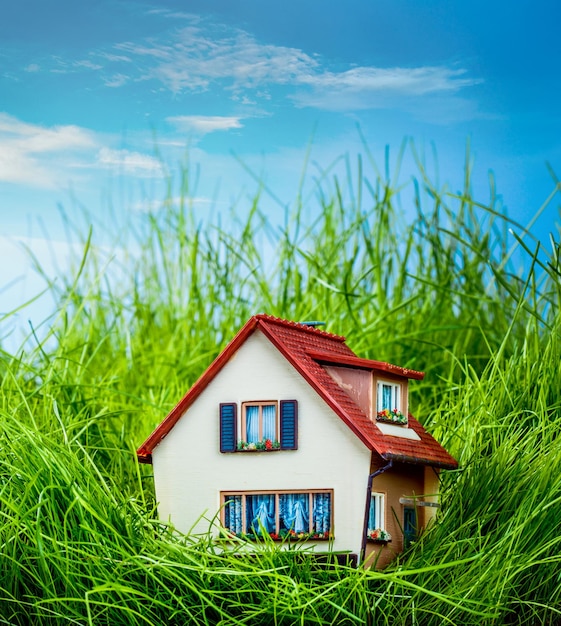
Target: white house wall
(190, 471)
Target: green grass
(442, 288)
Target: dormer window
(389, 406)
(389, 396)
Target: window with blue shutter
(228, 427)
(288, 424)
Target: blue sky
(88, 89)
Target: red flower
(268, 444)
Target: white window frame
(380, 511)
(396, 395)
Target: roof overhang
(413, 460)
(365, 364)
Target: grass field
(443, 288)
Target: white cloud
(413, 81)
(369, 87)
(116, 80)
(87, 64)
(198, 58)
(201, 56)
(203, 124)
(192, 17)
(48, 157)
(114, 58)
(35, 155)
(199, 202)
(130, 162)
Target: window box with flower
(266, 445)
(378, 535)
(392, 416)
(284, 535)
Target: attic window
(388, 403)
(389, 396)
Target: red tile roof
(305, 348)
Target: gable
(256, 374)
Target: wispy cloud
(200, 202)
(167, 13)
(116, 80)
(202, 56)
(369, 87)
(34, 155)
(413, 81)
(204, 124)
(130, 162)
(197, 58)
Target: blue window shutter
(228, 415)
(288, 424)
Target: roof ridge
(300, 326)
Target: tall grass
(441, 287)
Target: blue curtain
(270, 422)
(252, 424)
(260, 512)
(294, 512)
(322, 512)
(372, 514)
(233, 514)
(387, 397)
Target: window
(409, 526)
(377, 519)
(259, 422)
(388, 403)
(264, 426)
(389, 396)
(376, 516)
(298, 514)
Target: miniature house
(289, 432)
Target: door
(409, 526)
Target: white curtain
(294, 512)
(260, 513)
